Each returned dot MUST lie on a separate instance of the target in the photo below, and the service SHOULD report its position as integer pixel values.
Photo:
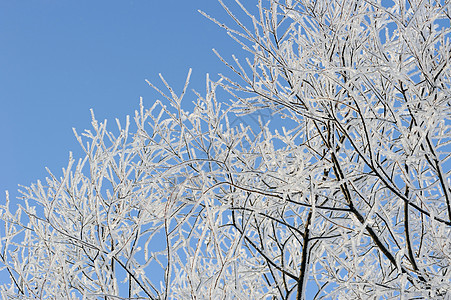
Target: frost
(343, 192)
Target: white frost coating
(343, 193)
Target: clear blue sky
(59, 58)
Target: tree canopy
(343, 193)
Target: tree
(349, 199)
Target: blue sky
(59, 58)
